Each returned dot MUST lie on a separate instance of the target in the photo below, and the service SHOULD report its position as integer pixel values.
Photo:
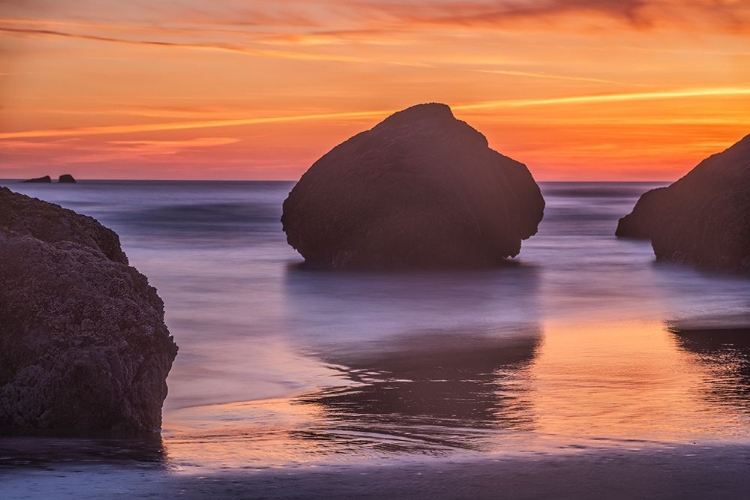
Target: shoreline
(685, 471)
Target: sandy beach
(683, 472)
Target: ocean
(584, 345)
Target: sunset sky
(230, 89)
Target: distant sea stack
(66, 179)
(46, 179)
(83, 344)
(419, 190)
(702, 219)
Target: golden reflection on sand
(253, 434)
(622, 381)
(581, 385)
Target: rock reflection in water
(726, 352)
(340, 309)
(54, 451)
(432, 390)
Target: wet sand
(683, 472)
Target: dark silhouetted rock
(83, 344)
(66, 179)
(45, 179)
(702, 219)
(420, 189)
(54, 224)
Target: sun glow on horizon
(577, 91)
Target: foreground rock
(420, 189)
(66, 179)
(46, 179)
(702, 219)
(83, 344)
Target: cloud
(513, 103)
(157, 127)
(635, 13)
(309, 41)
(263, 30)
(192, 46)
(497, 12)
(326, 21)
(197, 142)
(171, 147)
(553, 76)
(624, 97)
(66, 151)
(21, 145)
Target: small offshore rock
(46, 179)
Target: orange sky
(230, 89)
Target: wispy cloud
(530, 74)
(151, 145)
(67, 151)
(686, 51)
(21, 145)
(156, 127)
(236, 49)
(374, 21)
(507, 13)
(511, 103)
(313, 55)
(196, 142)
(167, 147)
(625, 97)
(475, 12)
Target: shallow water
(585, 344)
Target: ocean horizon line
(86, 180)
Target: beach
(681, 472)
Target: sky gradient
(229, 89)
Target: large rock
(83, 344)
(420, 189)
(702, 219)
(66, 179)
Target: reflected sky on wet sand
(630, 385)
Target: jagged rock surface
(420, 189)
(83, 344)
(703, 219)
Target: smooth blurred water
(573, 348)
